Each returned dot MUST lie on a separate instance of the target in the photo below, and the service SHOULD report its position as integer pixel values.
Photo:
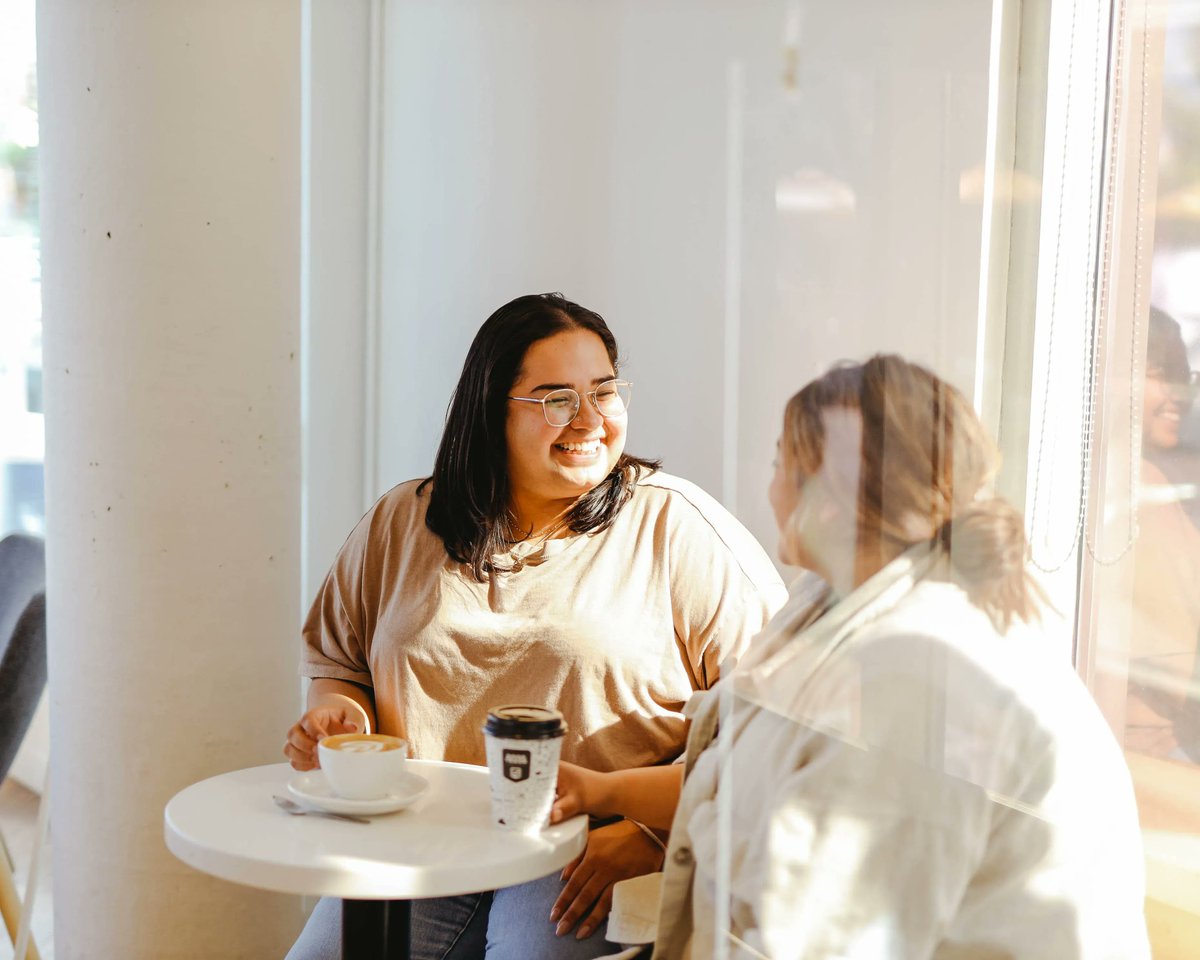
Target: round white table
(443, 845)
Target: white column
(171, 188)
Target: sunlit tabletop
(444, 844)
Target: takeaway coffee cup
(363, 766)
(523, 744)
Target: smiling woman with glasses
(539, 563)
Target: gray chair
(22, 679)
(22, 575)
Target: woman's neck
(540, 520)
(849, 571)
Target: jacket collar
(802, 637)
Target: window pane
(1140, 599)
(22, 438)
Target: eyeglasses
(561, 407)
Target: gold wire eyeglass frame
(576, 402)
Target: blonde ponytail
(986, 546)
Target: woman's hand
(579, 791)
(334, 706)
(319, 722)
(647, 794)
(615, 852)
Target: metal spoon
(298, 811)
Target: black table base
(376, 929)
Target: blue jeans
(509, 924)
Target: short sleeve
(336, 642)
(724, 587)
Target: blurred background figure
(1161, 708)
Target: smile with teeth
(585, 447)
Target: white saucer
(313, 789)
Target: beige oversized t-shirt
(615, 629)
(1166, 617)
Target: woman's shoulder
(410, 495)
(881, 674)
(689, 512)
(684, 502)
(936, 635)
(401, 510)
(668, 485)
(933, 614)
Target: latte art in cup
(362, 746)
(362, 743)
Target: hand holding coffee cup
(578, 791)
(523, 745)
(316, 724)
(363, 766)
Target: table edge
(325, 881)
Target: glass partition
(752, 192)
(1139, 622)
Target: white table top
(444, 844)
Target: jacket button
(682, 857)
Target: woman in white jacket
(907, 764)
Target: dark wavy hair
(1166, 352)
(469, 496)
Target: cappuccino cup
(363, 766)
(523, 745)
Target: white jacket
(898, 779)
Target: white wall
(335, 295)
(546, 145)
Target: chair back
(22, 574)
(22, 639)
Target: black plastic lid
(522, 722)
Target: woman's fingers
(597, 914)
(310, 729)
(322, 723)
(579, 896)
(300, 760)
(614, 852)
(570, 868)
(300, 738)
(567, 805)
(570, 794)
(574, 883)
(300, 748)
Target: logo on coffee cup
(516, 765)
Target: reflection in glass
(1167, 556)
(1161, 708)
